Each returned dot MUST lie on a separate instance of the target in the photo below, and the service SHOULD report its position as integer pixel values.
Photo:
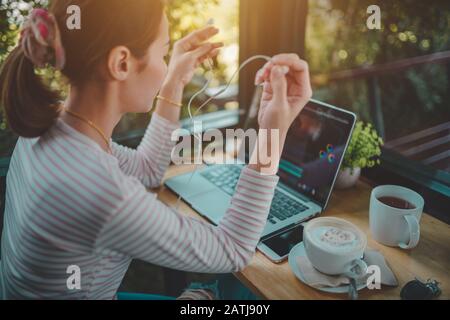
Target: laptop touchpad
(213, 204)
(188, 186)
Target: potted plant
(363, 151)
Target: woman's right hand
(285, 95)
(191, 51)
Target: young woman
(76, 198)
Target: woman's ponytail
(30, 106)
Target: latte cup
(335, 247)
(393, 226)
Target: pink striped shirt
(69, 203)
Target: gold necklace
(92, 125)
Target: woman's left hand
(191, 51)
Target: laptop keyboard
(226, 178)
(284, 207)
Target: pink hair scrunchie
(41, 40)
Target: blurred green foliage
(338, 39)
(364, 148)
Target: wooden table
(430, 259)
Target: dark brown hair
(30, 107)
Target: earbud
(285, 69)
(208, 62)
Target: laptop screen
(314, 150)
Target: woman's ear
(119, 63)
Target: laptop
(311, 159)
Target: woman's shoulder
(57, 166)
(64, 155)
(68, 159)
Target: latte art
(338, 238)
(335, 238)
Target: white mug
(393, 226)
(335, 262)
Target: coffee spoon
(352, 290)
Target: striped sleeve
(150, 160)
(146, 229)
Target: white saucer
(299, 251)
